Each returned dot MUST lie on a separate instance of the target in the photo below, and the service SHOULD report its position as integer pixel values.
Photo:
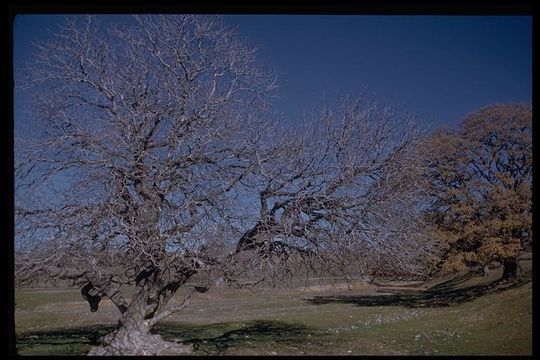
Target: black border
(367, 7)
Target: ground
(450, 319)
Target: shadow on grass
(448, 293)
(208, 339)
(69, 341)
(216, 338)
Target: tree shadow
(448, 293)
(69, 341)
(206, 339)
(215, 338)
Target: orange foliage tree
(481, 177)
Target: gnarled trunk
(133, 337)
(147, 307)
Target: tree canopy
(481, 179)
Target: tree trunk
(147, 306)
(136, 339)
(133, 336)
(485, 271)
(511, 270)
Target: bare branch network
(159, 162)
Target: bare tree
(347, 189)
(145, 124)
(155, 149)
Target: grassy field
(450, 318)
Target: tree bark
(134, 338)
(133, 335)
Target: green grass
(41, 298)
(269, 322)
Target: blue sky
(440, 67)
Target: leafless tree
(145, 126)
(156, 146)
(346, 188)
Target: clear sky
(440, 67)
